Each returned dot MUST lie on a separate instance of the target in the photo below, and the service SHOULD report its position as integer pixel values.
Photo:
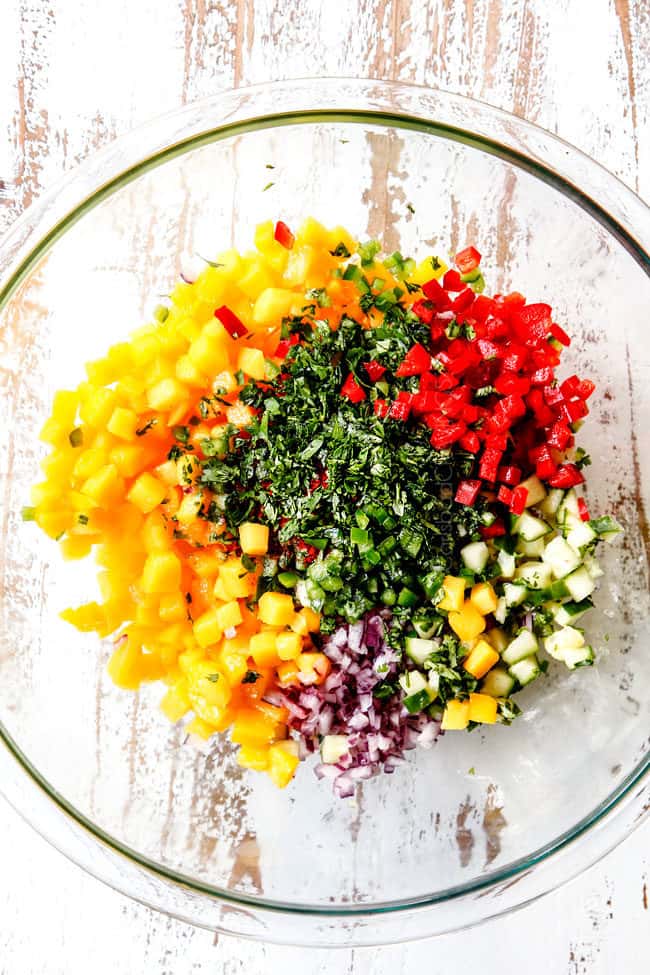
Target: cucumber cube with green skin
(497, 683)
(417, 702)
(561, 557)
(536, 575)
(580, 584)
(418, 649)
(475, 556)
(558, 589)
(567, 613)
(501, 611)
(514, 594)
(569, 507)
(536, 490)
(606, 527)
(412, 681)
(592, 565)
(531, 549)
(524, 645)
(531, 528)
(580, 657)
(568, 638)
(551, 502)
(507, 564)
(333, 748)
(581, 537)
(525, 671)
(427, 626)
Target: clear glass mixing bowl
(482, 823)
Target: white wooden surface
(75, 73)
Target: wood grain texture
(76, 73)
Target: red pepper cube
(464, 300)
(399, 410)
(483, 307)
(443, 437)
(585, 388)
(470, 442)
(504, 494)
(424, 402)
(489, 350)
(518, 501)
(553, 395)
(509, 474)
(416, 361)
(489, 464)
(434, 291)
(583, 510)
(545, 466)
(575, 410)
(542, 377)
(558, 436)
(283, 235)
(374, 369)
(467, 259)
(446, 380)
(380, 408)
(232, 324)
(467, 492)
(424, 310)
(532, 323)
(452, 281)
(352, 390)
(494, 530)
(559, 334)
(471, 413)
(567, 476)
(428, 381)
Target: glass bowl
(482, 823)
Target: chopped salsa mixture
(334, 498)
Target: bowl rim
(217, 132)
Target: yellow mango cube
(484, 598)
(455, 717)
(263, 648)
(275, 608)
(283, 762)
(255, 757)
(480, 659)
(128, 458)
(123, 423)
(155, 536)
(176, 702)
(76, 547)
(256, 279)
(288, 645)
(254, 539)
(161, 573)
(166, 394)
(252, 363)
(209, 353)
(173, 607)
(272, 305)
(454, 590)
(97, 406)
(188, 373)
(233, 663)
(211, 285)
(147, 492)
(482, 708)
(468, 622)
(206, 628)
(105, 487)
(229, 615)
(237, 581)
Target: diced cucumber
(580, 584)
(558, 589)
(567, 613)
(536, 490)
(561, 558)
(592, 565)
(569, 506)
(532, 550)
(523, 645)
(497, 683)
(501, 611)
(418, 701)
(568, 638)
(608, 528)
(497, 639)
(514, 594)
(580, 657)
(419, 649)
(426, 626)
(531, 528)
(412, 681)
(525, 671)
(581, 536)
(333, 748)
(433, 683)
(551, 502)
(475, 556)
(507, 564)
(536, 575)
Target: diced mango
(254, 539)
(480, 659)
(482, 708)
(454, 594)
(123, 423)
(176, 702)
(272, 306)
(105, 487)
(207, 631)
(173, 607)
(161, 573)
(484, 598)
(166, 394)
(263, 648)
(147, 492)
(283, 762)
(275, 608)
(468, 622)
(455, 717)
(229, 615)
(250, 727)
(254, 757)
(288, 645)
(209, 353)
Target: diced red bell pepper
(446, 380)
(583, 510)
(559, 334)
(233, 325)
(553, 395)
(399, 410)
(352, 390)
(569, 386)
(452, 281)
(504, 494)
(467, 259)
(285, 344)
(542, 377)
(424, 310)
(489, 350)
(489, 464)
(416, 361)
(494, 530)
(532, 322)
(509, 382)
(467, 492)
(496, 441)
(283, 235)
(446, 436)
(470, 441)
(380, 408)
(585, 388)
(518, 500)
(471, 413)
(558, 436)
(574, 410)
(482, 307)
(428, 381)
(568, 475)
(434, 291)
(464, 300)
(514, 357)
(545, 465)
(545, 355)
(543, 414)
(425, 402)
(374, 369)
(509, 474)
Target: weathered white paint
(75, 74)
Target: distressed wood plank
(75, 74)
